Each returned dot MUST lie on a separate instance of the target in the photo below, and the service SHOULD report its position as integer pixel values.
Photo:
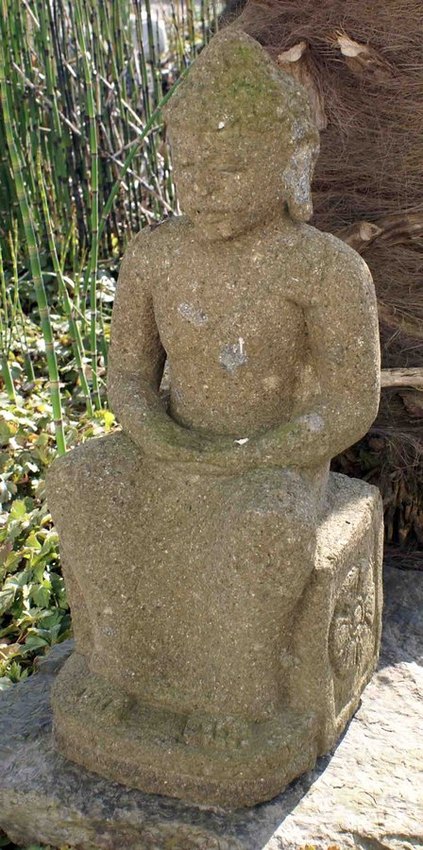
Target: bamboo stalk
(64, 60)
(74, 332)
(19, 318)
(92, 267)
(34, 259)
(50, 95)
(134, 149)
(4, 343)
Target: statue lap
(183, 566)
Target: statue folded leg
(195, 578)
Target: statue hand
(161, 437)
(227, 455)
(288, 444)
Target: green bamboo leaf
(18, 509)
(41, 596)
(35, 642)
(7, 598)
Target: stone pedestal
(337, 632)
(220, 760)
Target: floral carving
(351, 635)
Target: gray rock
(367, 796)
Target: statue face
(229, 178)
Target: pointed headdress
(234, 84)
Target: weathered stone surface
(367, 796)
(225, 590)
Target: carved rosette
(351, 634)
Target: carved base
(329, 656)
(224, 762)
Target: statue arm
(136, 365)
(344, 344)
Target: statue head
(242, 138)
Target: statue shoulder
(323, 269)
(148, 251)
(341, 256)
(335, 264)
(348, 276)
(325, 246)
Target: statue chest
(229, 313)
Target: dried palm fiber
(362, 62)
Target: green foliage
(84, 165)
(34, 613)
(80, 88)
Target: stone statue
(225, 588)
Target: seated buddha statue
(225, 588)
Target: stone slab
(368, 795)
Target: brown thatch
(362, 62)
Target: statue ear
(296, 181)
(300, 207)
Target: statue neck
(211, 228)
